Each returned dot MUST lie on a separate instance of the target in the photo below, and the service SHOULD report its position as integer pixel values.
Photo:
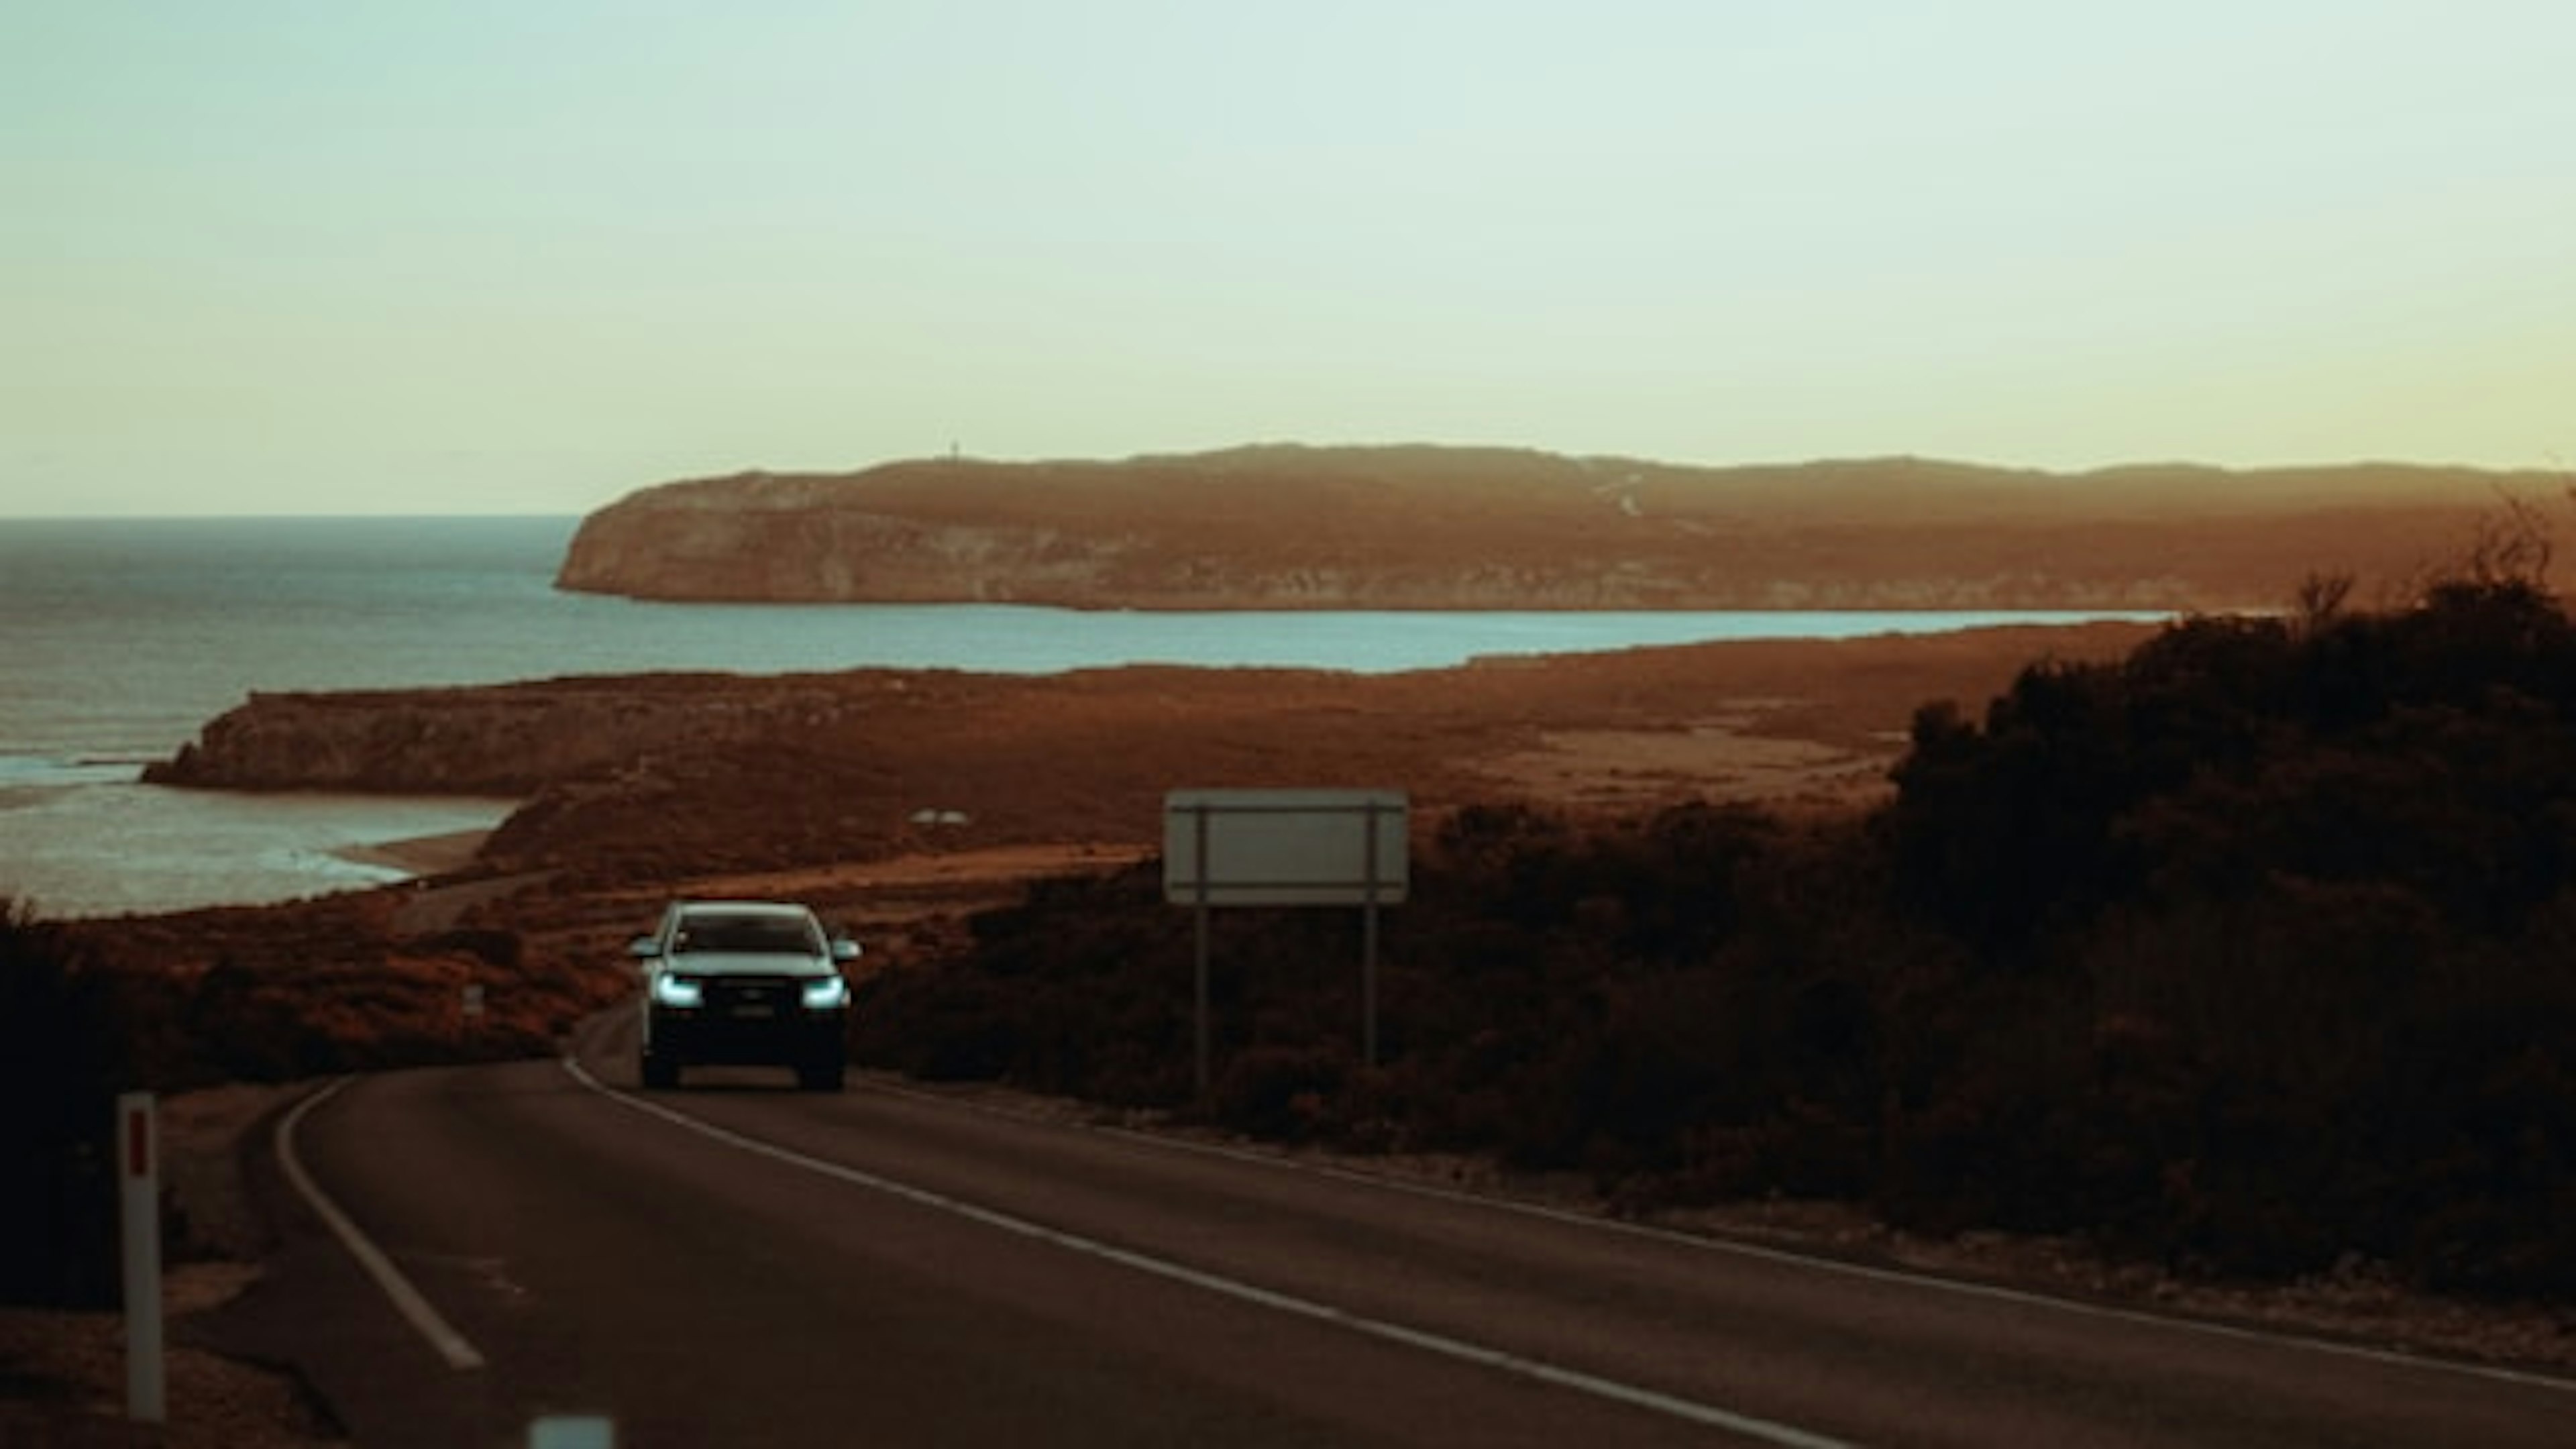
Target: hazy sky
(527, 255)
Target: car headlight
(827, 994)
(670, 989)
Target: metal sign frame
(1286, 848)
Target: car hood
(746, 963)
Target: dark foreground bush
(60, 1070)
(2274, 921)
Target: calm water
(121, 638)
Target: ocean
(122, 637)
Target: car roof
(745, 908)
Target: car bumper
(718, 1039)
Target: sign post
(1286, 848)
(139, 1202)
(1368, 943)
(1199, 891)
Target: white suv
(745, 983)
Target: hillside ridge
(1289, 526)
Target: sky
(526, 256)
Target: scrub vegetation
(2249, 953)
(61, 1063)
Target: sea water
(120, 638)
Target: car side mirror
(844, 949)
(644, 948)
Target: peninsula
(1293, 527)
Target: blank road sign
(1284, 847)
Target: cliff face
(500, 740)
(1429, 528)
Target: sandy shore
(420, 854)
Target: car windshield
(784, 934)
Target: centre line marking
(1768, 1431)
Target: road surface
(469, 1252)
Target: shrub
(61, 1068)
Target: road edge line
(1788, 1256)
(407, 1300)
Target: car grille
(753, 998)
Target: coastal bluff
(1293, 527)
(504, 739)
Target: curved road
(741, 1263)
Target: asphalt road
(741, 1263)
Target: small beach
(418, 855)
(106, 848)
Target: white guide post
(138, 1151)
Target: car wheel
(659, 1072)
(828, 1075)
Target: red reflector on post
(139, 1222)
(138, 1141)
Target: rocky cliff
(1439, 528)
(493, 740)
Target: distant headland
(1425, 527)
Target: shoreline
(418, 855)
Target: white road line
(407, 1300)
(1689, 1410)
(1958, 1287)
